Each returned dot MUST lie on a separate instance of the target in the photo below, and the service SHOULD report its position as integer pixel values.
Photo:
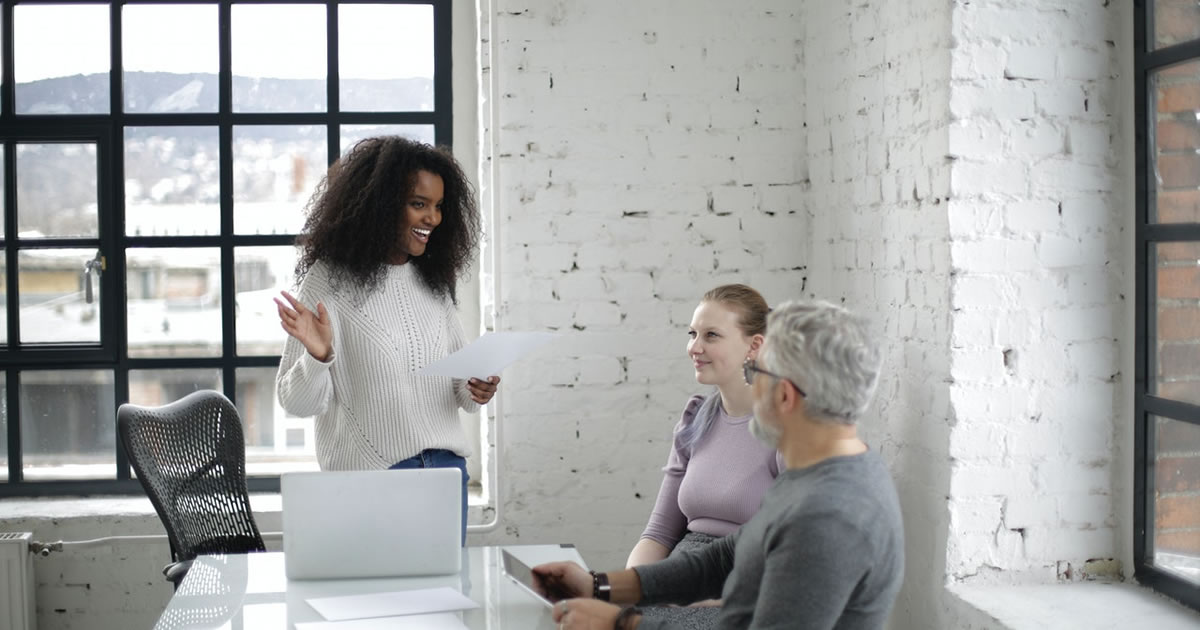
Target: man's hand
(562, 580)
(585, 614)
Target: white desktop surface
(250, 591)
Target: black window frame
(108, 131)
(1148, 234)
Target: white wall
(1041, 192)
(646, 152)
(877, 77)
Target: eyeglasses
(750, 366)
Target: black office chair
(190, 456)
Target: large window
(1167, 379)
(156, 161)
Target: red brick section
(1175, 21)
(1178, 206)
(1184, 390)
(1176, 512)
(1179, 98)
(1173, 134)
(1182, 252)
(1180, 361)
(1179, 170)
(1177, 487)
(1176, 473)
(1179, 283)
(1179, 323)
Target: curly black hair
(355, 213)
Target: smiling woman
(389, 231)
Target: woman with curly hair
(389, 230)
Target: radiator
(16, 582)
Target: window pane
(1176, 131)
(55, 306)
(261, 273)
(56, 190)
(61, 58)
(174, 301)
(1177, 327)
(1176, 502)
(278, 58)
(3, 426)
(172, 181)
(276, 441)
(4, 301)
(159, 387)
(350, 134)
(2, 211)
(385, 57)
(169, 57)
(68, 424)
(275, 169)
(1175, 21)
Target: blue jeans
(440, 458)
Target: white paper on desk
(488, 354)
(436, 621)
(414, 602)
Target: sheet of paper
(437, 621)
(488, 354)
(414, 602)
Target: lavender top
(714, 487)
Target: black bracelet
(624, 616)
(601, 589)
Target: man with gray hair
(826, 549)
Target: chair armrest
(176, 571)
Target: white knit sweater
(372, 409)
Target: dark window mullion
(1171, 55)
(1176, 410)
(1167, 232)
(225, 141)
(111, 184)
(1141, 506)
(443, 84)
(332, 87)
(7, 68)
(13, 403)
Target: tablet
(522, 575)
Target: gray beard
(768, 435)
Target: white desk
(250, 591)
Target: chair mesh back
(190, 457)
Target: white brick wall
(1036, 192)
(646, 152)
(878, 85)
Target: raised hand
(313, 329)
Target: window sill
(1085, 604)
(56, 512)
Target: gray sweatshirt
(825, 551)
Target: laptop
(362, 524)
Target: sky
(276, 41)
